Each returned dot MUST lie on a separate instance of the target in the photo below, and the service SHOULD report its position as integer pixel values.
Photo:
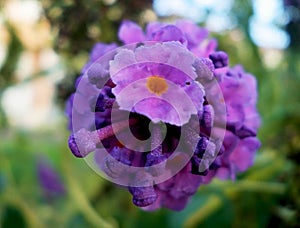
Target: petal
(235, 115)
(193, 33)
(170, 53)
(176, 204)
(153, 27)
(169, 33)
(223, 173)
(130, 32)
(130, 70)
(97, 74)
(122, 60)
(243, 155)
(205, 48)
(98, 51)
(186, 184)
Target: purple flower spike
(164, 114)
(49, 179)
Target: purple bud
(82, 142)
(143, 196)
(219, 58)
(97, 74)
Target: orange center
(157, 85)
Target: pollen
(157, 85)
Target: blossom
(49, 179)
(145, 75)
(170, 94)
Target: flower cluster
(170, 94)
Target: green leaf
(12, 218)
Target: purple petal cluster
(164, 77)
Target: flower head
(164, 114)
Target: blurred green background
(44, 44)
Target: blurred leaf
(3, 182)
(12, 217)
(77, 221)
(9, 66)
(3, 119)
(149, 219)
(204, 210)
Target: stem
(12, 196)
(79, 198)
(267, 172)
(15, 199)
(265, 187)
(85, 207)
(213, 204)
(3, 118)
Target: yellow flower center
(157, 85)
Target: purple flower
(171, 75)
(148, 72)
(49, 180)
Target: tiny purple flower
(49, 180)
